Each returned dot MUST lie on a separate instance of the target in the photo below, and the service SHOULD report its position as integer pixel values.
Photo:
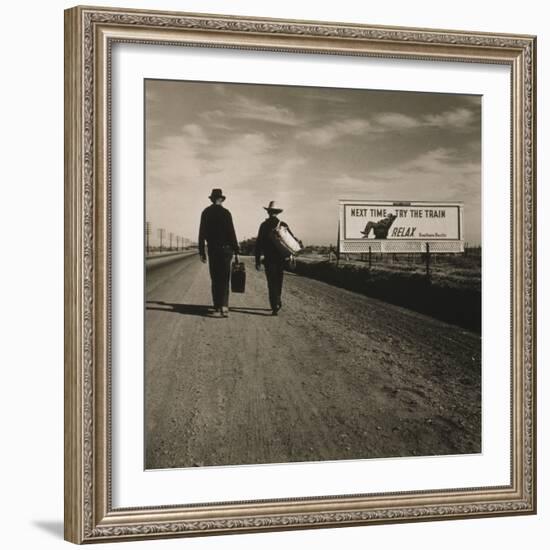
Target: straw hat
(272, 208)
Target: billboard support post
(428, 274)
(338, 246)
(370, 257)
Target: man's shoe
(225, 311)
(217, 313)
(275, 313)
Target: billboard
(400, 226)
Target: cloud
(439, 174)
(454, 119)
(323, 136)
(190, 155)
(325, 95)
(432, 161)
(285, 171)
(387, 122)
(244, 108)
(443, 161)
(347, 183)
(241, 158)
(395, 121)
(195, 135)
(457, 119)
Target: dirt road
(335, 376)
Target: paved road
(335, 376)
(157, 260)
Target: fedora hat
(273, 208)
(216, 194)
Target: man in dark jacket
(273, 259)
(217, 230)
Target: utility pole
(162, 233)
(171, 237)
(147, 236)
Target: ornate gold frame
(89, 35)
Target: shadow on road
(201, 310)
(184, 309)
(251, 310)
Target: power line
(147, 236)
(162, 234)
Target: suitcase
(238, 276)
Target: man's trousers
(219, 263)
(274, 270)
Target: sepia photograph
(312, 274)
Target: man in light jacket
(274, 260)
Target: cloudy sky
(305, 148)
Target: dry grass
(452, 294)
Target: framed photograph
(300, 274)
